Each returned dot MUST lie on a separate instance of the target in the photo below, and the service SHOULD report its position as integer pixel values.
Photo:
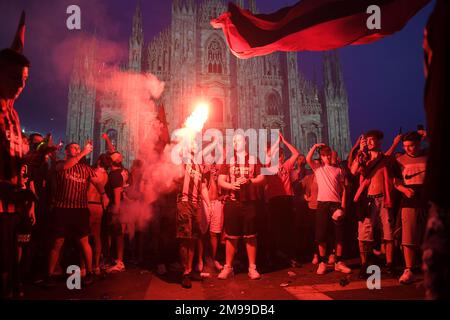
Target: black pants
(324, 213)
(281, 226)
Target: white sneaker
(341, 267)
(315, 260)
(118, 267)
(407, 277)
(226, 271)
(253, 273)
(322, 269)
(332, 259)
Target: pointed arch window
(273, 104)
(215, 57)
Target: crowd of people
(59, 212)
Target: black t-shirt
(115, 180)
(411, 171)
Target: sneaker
(253, 274)
(332, 259)
(161, 269)
(218, 265)
(341, 267)
(407, 277)
(186, 281)
(118, 267)
(225, 273)
(322, 269)
(315, 259)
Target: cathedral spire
(338, 76)
(328, 74)
(136, 40)
(252, 6)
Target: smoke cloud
(134, 95)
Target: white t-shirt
(329, 180)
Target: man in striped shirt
(71, 213)
(194, 187)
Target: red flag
(313, 25)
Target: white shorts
(212, 220)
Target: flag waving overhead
(312, 25)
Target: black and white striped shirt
(72, 185)
(192, 183)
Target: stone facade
(193, 60)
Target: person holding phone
(71, 213)
(373, 199)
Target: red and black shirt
(250, 169)
(72, 185)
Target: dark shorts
(24, 229)
(113, 224)
(239, 219)
(324, 213)
(187, 220)
(8, 245)
(73, 222)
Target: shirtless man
(374, 199)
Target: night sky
(384, 80)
